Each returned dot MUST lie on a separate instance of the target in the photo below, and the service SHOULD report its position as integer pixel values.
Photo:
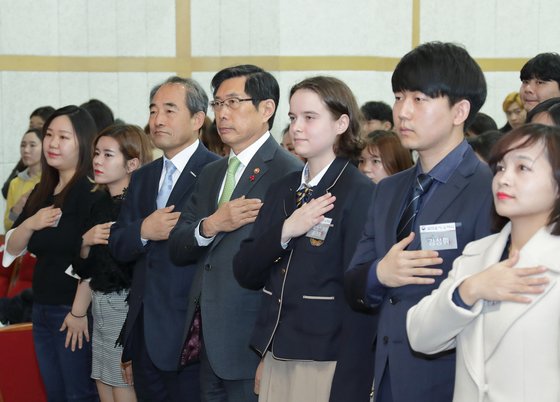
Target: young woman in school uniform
(500, 305)
(51, 227)
(302, 242)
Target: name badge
(318, 233)
(441, 236)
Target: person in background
(499, 306)
(480, 124)
(514, 110)
(383, 155)
(288, 143)
(483, 143)
(36, 120)
(31, 149)
(547, 113)
(540, 79)
(119, 150)
(211, 139)
(50, 226)
(377, 116)
(101, 113)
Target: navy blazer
(228, 311)
(303, 313)
(158, 285)
(465, 199)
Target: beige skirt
(295, 380)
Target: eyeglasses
(231, 103)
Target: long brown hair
(85, 129)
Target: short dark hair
(339, 100)
(550, 106)
(377, 111)
(196, 99)
(101, 113)
(550, 137)
(259, 85)
(544, 66)
(482, 144)
(85, 129)
(44, 112)
(442, 69)
(482, 123)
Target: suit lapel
(396, 198)
(152, 183)
(540, 250)
(253, 174)
(256, 169)
(188, 176)
(472, 337)
(445, 195)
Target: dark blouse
(105, 273)
(57, 247)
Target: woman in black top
(118, 151)
(50, 226)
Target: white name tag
(441, 236)
(320, 230)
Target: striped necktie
(421, 187)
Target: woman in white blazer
(500, 305)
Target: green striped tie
(233, 164)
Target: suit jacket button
(207, 267)
(385, 340)
(394, 300)
(283, 271)
(361, 301)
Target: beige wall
(60, 52)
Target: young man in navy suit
(219, 216)
(420, 219)
(158, 297)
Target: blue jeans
(66, 374)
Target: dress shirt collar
(182, 158)
(247, 154)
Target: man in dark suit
(421, 219)
(159, 294)
(224, 204)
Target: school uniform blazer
(159, 287)
(303, 313)
(505, 351)
(465, 199)
(228, 311)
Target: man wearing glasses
(218, 218)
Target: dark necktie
(303, 195)
(421, 187)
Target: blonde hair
(512, 98)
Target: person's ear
(267, 108)
(132, 165)
(461, 111)
(342, 124)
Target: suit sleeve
(254, 260)
(360, 280)
(124, 242)
(433, 324)
(183, 247)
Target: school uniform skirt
(109, 312)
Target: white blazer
(506, 351)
